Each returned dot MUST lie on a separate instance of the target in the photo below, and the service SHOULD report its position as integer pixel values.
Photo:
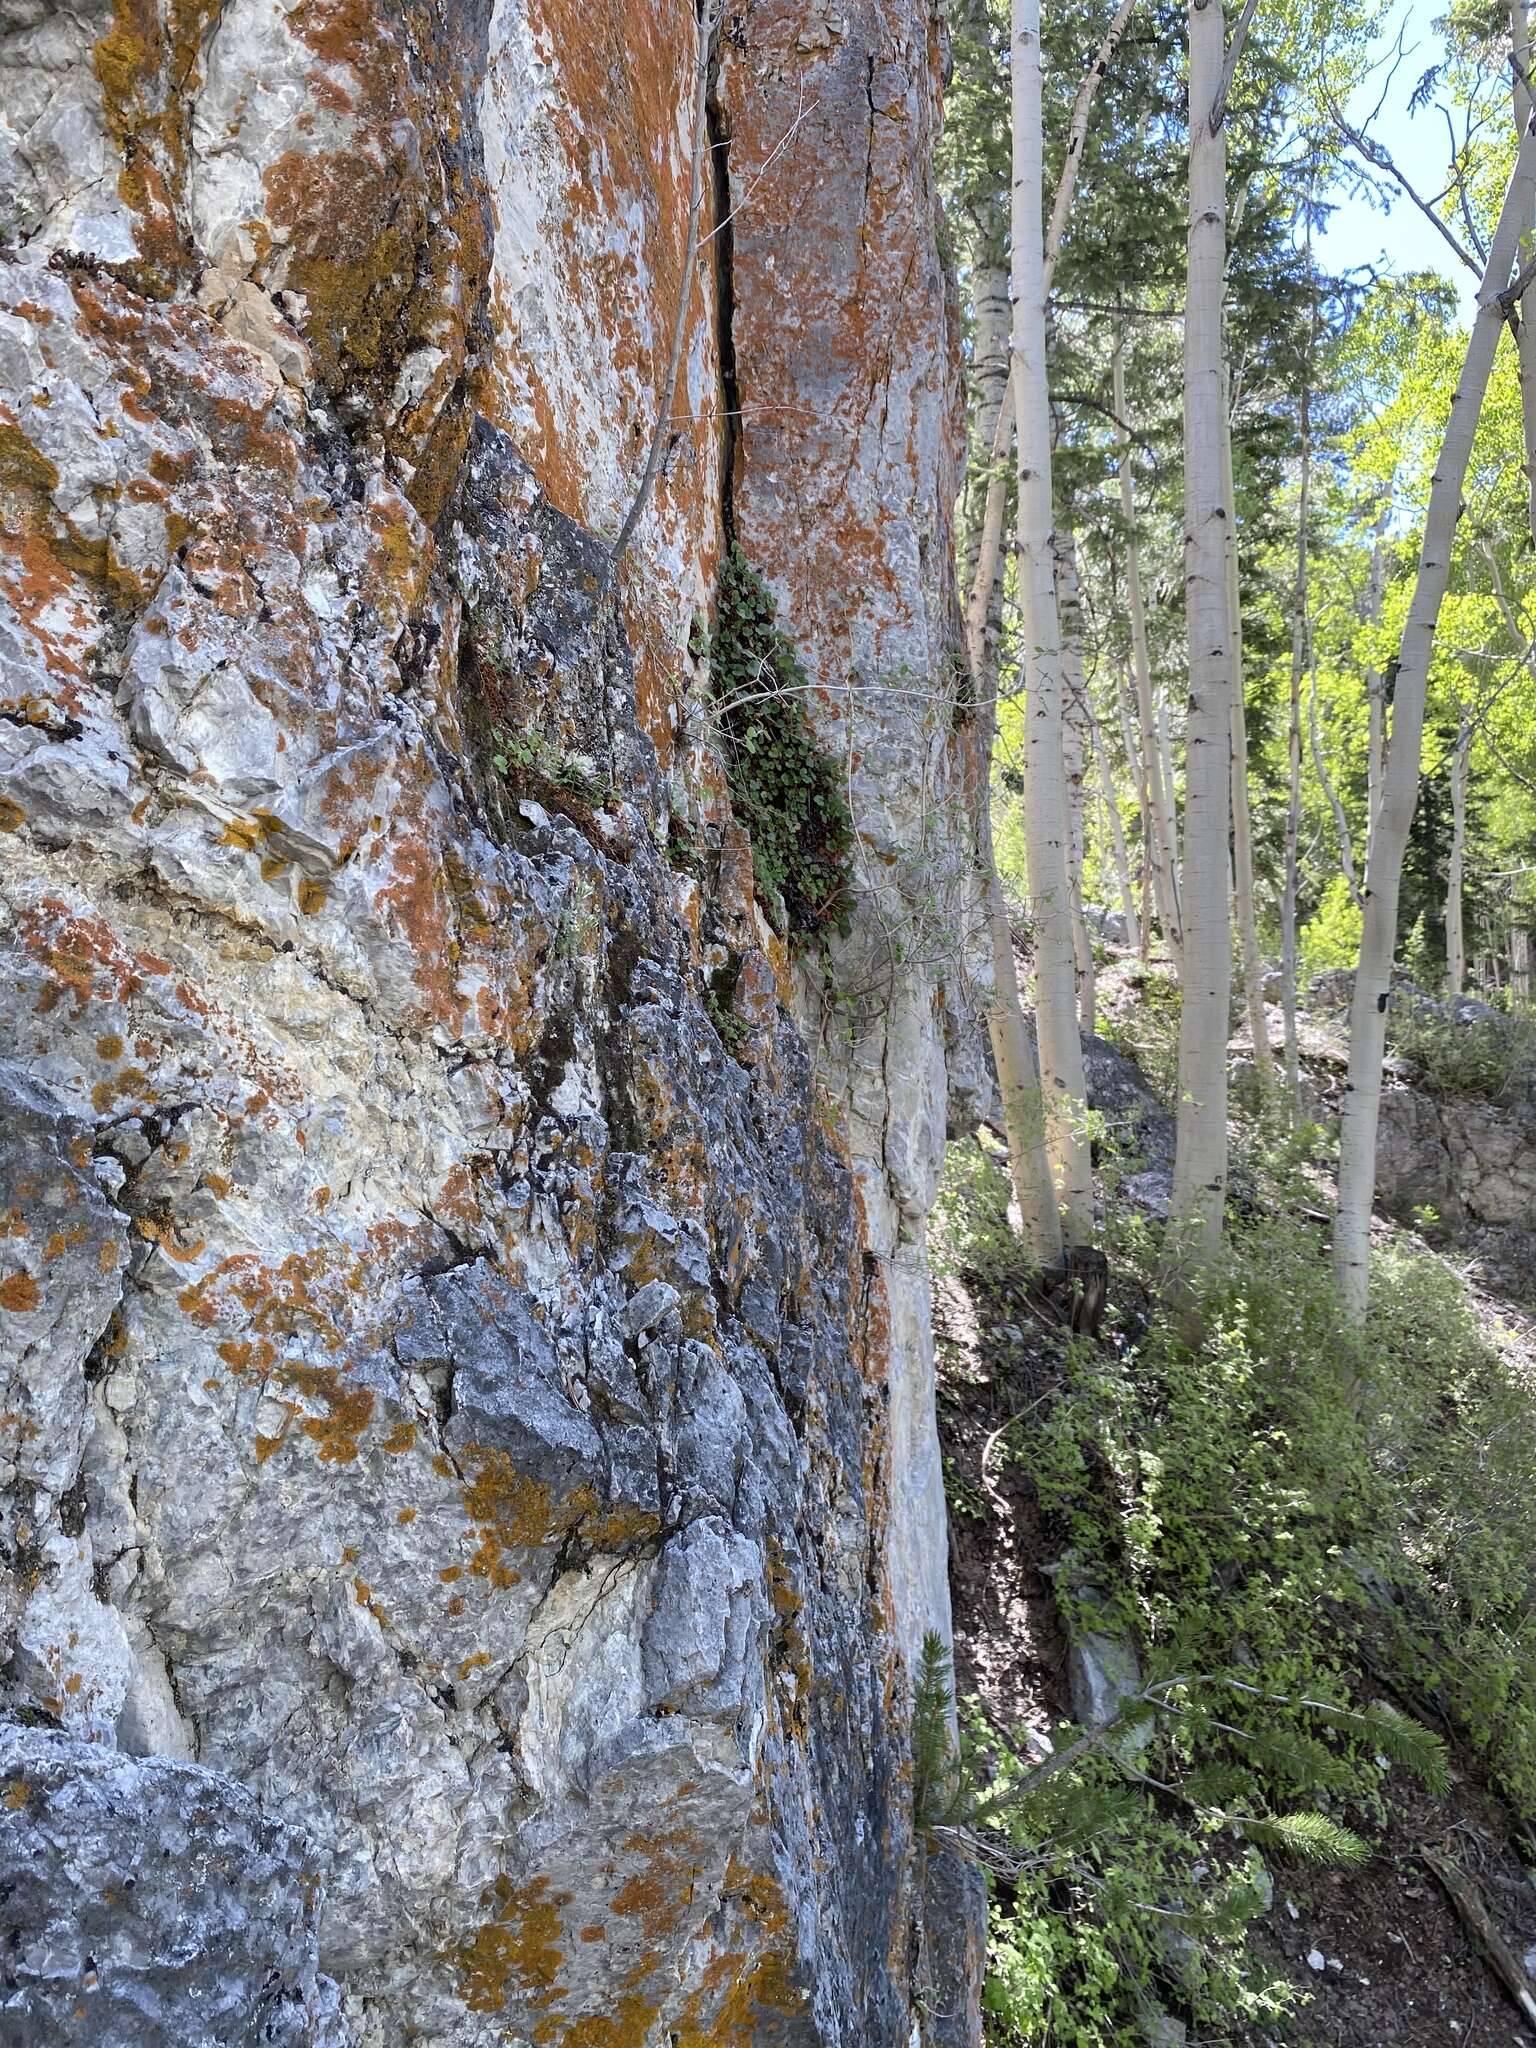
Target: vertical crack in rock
(719, 142)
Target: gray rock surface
(453, 1400)
(145, 1902)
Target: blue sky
(1401, 239)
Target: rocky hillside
(468, 1490)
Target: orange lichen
(517, 1952)
(348, 1411)
(512, 1511)
(19, 1293)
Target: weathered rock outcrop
(1474, 1164)
(468, 1486)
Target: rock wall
(1474, 1164)
(468, 1490)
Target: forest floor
(1399, 1968)
(1377, 1955)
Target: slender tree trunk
(988, 565)
(1341, 830)
(1016, 1057)
(1074, 752)
(1136, 767)
(991, 320)
(1242, 826)
(1046, 818)
(1375, 688)
(1122, 865)
(1288, 932)
(1400, 781)
(1157, 815)
(1520, 965)
(1525, 330)
(1200, 1148)
(1455, 940)
(1014, 1051)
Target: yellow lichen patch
(659, 1893)
(517, 1952)
(15, 1795)
(619, 1528)
(512, 1511)
(109, 1046)
(160, 1234)
(11, 815)
(348, 1411)
(400, 1439)
(312, 895)
(626, 2025)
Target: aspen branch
(1240, 30)
(1381, 160)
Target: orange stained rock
(19, 1292)
(516, 1953)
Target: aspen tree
(1242, 828)
(1299, 649)
(1116, 831)
(1455, 938)
(1074, 750)
(1200, 1148)
(1400, 774)
(1046, 819)
(1158, 819)
(1525, 332)
(988, 566)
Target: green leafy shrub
(784, 788)
(1144, 1023)
(1491, 1059)
(1331, 936)
(1284, 1519)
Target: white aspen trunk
(1116, 830)
(1520, 965)
(1335, 802)
(1165, 756)
(1136, 767)
(1046, 810)
(988, 567)
(1525, 331)
(1375, 689)
(1242, 826)
(1288, 934)
(1157, 814)
(1400, 779)
(1014, 1051)
(1017, 1061)
(1455, 937)
(991, 321)
(1074, 752)
(1200, 1145)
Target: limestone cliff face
(468, 1492)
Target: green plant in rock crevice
(784, 788)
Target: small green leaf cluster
(784, 788)
(529, 761)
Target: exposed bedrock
(468, 1488)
